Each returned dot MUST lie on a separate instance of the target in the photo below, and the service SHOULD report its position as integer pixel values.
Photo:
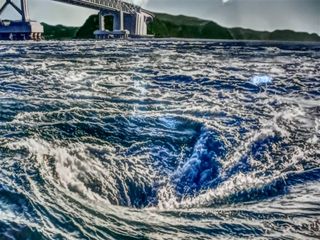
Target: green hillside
(279, 35)
(91, 25)
(166, 26)
(59, 32)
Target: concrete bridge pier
(101, 22)
(141, 21)
(118, 30)
(25, 10)
(124, 24)
(118, 21)
(19, 30)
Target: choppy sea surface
(159, 140)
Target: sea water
(159, 140)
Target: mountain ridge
(181, 26)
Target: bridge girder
(116, 5)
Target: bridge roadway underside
(113, 5)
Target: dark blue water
(159, 140)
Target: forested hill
(166, 26)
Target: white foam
(260, 80)
(237, 184)
(75, 76)
(73, 166)
(314, 140)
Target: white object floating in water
(259, 80)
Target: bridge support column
(101, 22)
(118, 21)
(141, 25)
(121, 20)
(25, 10)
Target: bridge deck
(116, 5)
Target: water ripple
(159, 140)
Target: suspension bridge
(128, 19)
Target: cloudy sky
(299, 15)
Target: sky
(298, 15)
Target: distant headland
(170, 26)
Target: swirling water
(159, 140)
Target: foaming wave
(203, 166)
(70, 166)
(248, 173)
(220, 178)
(76, 168)
(237, 189)
(260, 80)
